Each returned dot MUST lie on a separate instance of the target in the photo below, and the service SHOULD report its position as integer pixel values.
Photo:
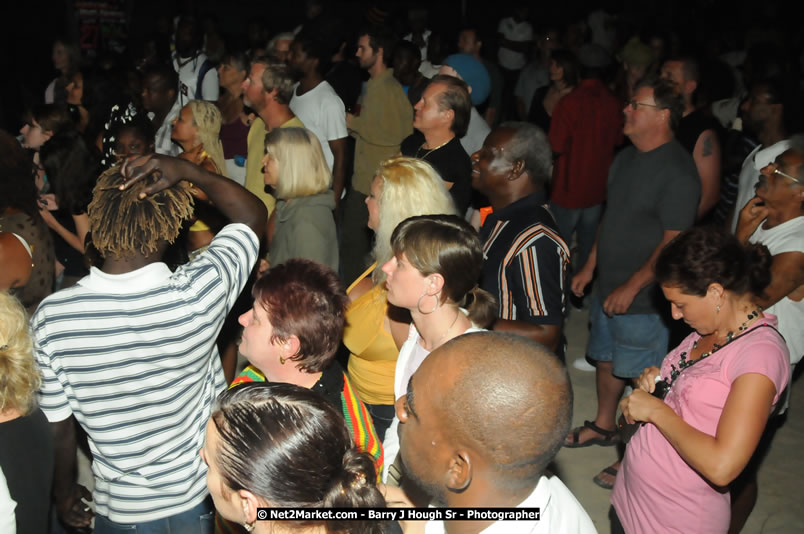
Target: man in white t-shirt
(514, 36)
(775, 218)
(198, 78)
(470, 436)
(317, 104)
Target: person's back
(130, 350)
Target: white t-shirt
(411, 356)
(787, 237)
(422, 49)
(513, 31)
(476, 133)
(188, 79)
(560, 513)
(8, 521)
(323, 113)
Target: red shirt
(587, 125)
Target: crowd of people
(333, 267)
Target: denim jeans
(197, 520)
(581, 220)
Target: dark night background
(28, 28)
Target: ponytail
(355, 487)
(481, 307)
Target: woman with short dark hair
(291, 335)
(721, 385)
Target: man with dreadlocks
(129, 352)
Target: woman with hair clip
(281, 445)
(712, 396)
(197, 129)
(402, 188)
(433, 274)
(303, 224)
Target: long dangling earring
(419, 304)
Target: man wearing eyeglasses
(652, 195)
(775, 218)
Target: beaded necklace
(684, 363)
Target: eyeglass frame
(777, 171)
(634, 105)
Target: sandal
(611, 471)
(610, 437)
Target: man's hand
(168, 171)
(620, 300)
(72, 509)
(580, 281)
(751, 216)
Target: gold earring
(282, 360)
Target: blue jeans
(197, 520)
(631, 342)
(581, 220)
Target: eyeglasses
(635, 105)
(777, 171)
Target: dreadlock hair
(122, 224)
(208, 120)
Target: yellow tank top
(373, 353)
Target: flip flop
(610, 470)
(610, 437)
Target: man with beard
(317, 104)
(483, 416)
(385, 119)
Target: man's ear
(459, 473)
(517, 168)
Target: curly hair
(410, 187)
(122, 224)
(207, 118)
(19, 375)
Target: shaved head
(503, 397)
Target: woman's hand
(48, 217)
(647, 381)
(641, 406)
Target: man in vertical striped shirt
(129, 352)
(526, 259)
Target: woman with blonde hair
(26, 447)
(197, 129)
(402, 188)
(303, 223)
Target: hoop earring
(419, 304)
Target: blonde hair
(410, 187)
(207, 118)
(302, 169)
(19, 375)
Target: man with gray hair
(526, 258)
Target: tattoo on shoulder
(707, 145)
